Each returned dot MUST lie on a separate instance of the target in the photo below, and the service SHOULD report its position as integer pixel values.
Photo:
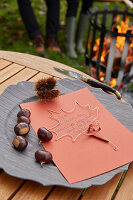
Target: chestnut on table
(16, 67)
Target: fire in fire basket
(122, 27)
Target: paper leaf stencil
(72, 123)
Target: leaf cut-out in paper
(72, 123)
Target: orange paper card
(87, 140)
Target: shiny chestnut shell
(24, 119)
(24, 112)
(20, 143)
(44, 135)
(42, 156)
(22, 129)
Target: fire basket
(109, 51)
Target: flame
(123, 27)
(113, 82)
(101, 76)
(105, 51)
(102, 79)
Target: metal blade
(69, 73)
(90, 81)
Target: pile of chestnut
(22, 128)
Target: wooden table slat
(39, 76)
(9, 71)
(103, 192)
(65, 193)
(126, 190)
(4, 63)
(21, 76)
(8, 185)
(35, 62)
(32, 191)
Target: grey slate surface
(23, 164)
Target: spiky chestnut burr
(45, 84)
(48, 95)
(45, 89)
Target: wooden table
(15, 67)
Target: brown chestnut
(44, 135)
(23, 119)
(22, 129)
(20, 143)
(24, 112)
(42, 157)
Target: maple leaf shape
(72, 123)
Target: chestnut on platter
(24, 119)
(42, 157)
(24, 112)
(44, 135)
(20, 143)
(22, 129)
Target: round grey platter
(23, 165)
